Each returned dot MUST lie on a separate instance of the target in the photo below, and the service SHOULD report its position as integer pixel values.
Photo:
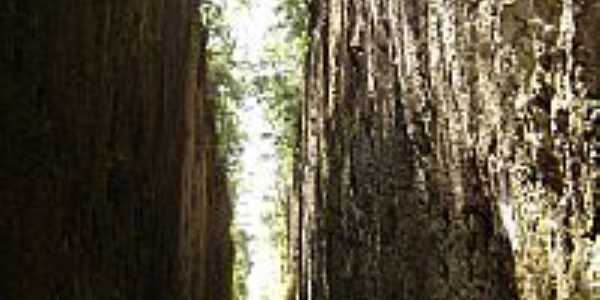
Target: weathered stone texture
(106, 163)
(449, 150)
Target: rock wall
(449, 150)
(106, 160)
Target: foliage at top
(224, 87)
(225, 90)
(280, 83)
(294, 18)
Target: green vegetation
(241, 264)
(226, 91)
(277, 81)
(280, 84)
(224, 86)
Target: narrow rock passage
(391, 150)
(256, 199)
(259, 161)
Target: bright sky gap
(259, 162)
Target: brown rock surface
(106, 164)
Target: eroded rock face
(106, 165)
(449, 150)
